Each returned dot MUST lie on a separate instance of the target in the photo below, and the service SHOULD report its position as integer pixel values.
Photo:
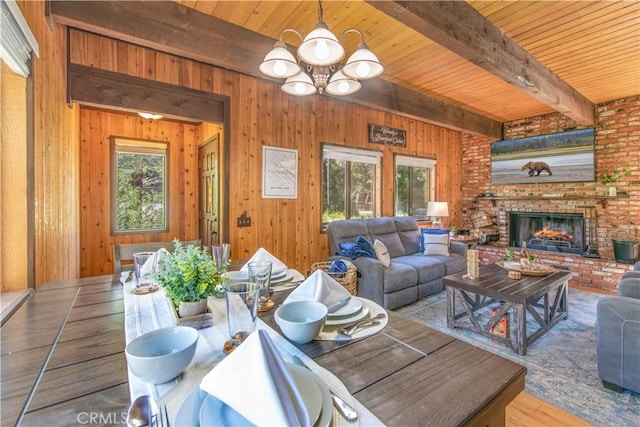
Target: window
(414, 178)
(139, 193)
(350, 183)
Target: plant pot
(626, 251)
(188, 308)
(613, 191)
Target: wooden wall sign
(387, 136)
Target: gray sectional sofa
(411, 274)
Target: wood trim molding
(458, 27)
(100, 88)
(176, 29)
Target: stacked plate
(203, 409)
(356, 309)
(276, 276)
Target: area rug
(561, 365)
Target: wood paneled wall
(261, 114)
(96, 128)
(56, 155)
(13, 181)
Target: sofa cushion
(428, 268)
(431, 231)
(382, 253)
(399, 276)
(409, 233)
(454, 263)
(384, 229)
(346, 230)
(436, 244)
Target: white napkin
(152, 265)
(263, 255)
(322, 288)
(255, 382)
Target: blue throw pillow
(424, 231)
(366, 246)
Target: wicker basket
(349, 279)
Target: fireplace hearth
(548, 231)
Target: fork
(162, 418)
(350, 331)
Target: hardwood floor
(529, 411)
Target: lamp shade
(342, 85)
(363, 64)
(280, 63)
(299, 85)
(438, 209)
(321, 47)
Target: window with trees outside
(414, 185)
(139, 185)
(350, 183)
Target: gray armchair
(618, 334)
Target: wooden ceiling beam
(460, 28)
(173, 28)
(100, 88)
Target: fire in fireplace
(548, 231)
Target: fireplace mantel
(601, 199)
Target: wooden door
(209, 185)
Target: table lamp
(437, 210)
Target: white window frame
(415, 162)
(17, 41)
(336, 152)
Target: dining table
(63, 364)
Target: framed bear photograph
(559, 157)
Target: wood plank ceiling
(465, 66)
(592, 46)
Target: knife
(338, 304)
(347, 411)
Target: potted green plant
(508, 255)
(189, 275)
(612, 178)
(453, 231)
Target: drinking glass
(242, 310)
(221, 254)
(144, 267)
(260, 274)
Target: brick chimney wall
(617, 147)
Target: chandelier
(319, 65)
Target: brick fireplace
(597, 218)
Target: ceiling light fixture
(150, 116)
(319, 65)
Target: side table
(471, 242)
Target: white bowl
(161, 355)
(301, 321)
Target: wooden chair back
(124, 252)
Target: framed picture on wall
(279, 173)
(559, 157)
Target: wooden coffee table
(544, 298)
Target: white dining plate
(353, 307)
(278, 274)
(202, 409)
(327, 404)
(237, 275)
(345, 321)
(282, 279)
(214, 412)
(188, 414)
